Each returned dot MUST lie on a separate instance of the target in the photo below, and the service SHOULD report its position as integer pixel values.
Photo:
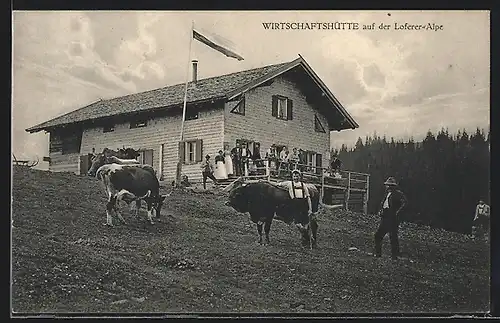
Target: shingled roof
(218, 87)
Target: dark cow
(263, 200)
(130, 183)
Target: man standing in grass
(394, 201)
(481, 220)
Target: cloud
(134, 56)
(373, 77)
(110, 29)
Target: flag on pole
(221, 45)
(215, 42)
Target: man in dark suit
(241, 154)
(236, 155)
(335, 164)
(390, 209)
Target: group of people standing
(286, 160)
(229, 163)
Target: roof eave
(329, 94)
(231, 95)
(40, 126)
(36, 128)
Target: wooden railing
(347, 182)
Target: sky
(394, 82)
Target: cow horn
(232, 184)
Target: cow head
(97, 161)
(158, 203)
(304, 233)
(238, 198)
(105, 157)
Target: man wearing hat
(390, 208)
(207, 170)
(335, 165)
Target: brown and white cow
(130, 183)
(108, 156)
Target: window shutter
(275, 106)
(182, 149)
(242, 105)
(318, 127)
(289, 109)
(148, 157)
(199, 150)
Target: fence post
(367, 194)
(322, 185)
(268, 172)
(348, 191)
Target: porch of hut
(348, 188)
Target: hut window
(138, 123)
(191, 151)
(282, 107)
(239, 108)
(192, 113)
(145, 157)
(108, 128)
(318, 127)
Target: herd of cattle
(125, 179)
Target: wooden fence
(346, 187)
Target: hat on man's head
(391, 181)
(296, 171)
(207, 156)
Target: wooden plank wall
(259, 125)
(60, 162)
(337, 196)
(64, 163)
(162, 130)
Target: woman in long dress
(228, 160)
(220, 168)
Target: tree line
(443, 176)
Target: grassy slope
(65, 259)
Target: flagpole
(179, 164)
